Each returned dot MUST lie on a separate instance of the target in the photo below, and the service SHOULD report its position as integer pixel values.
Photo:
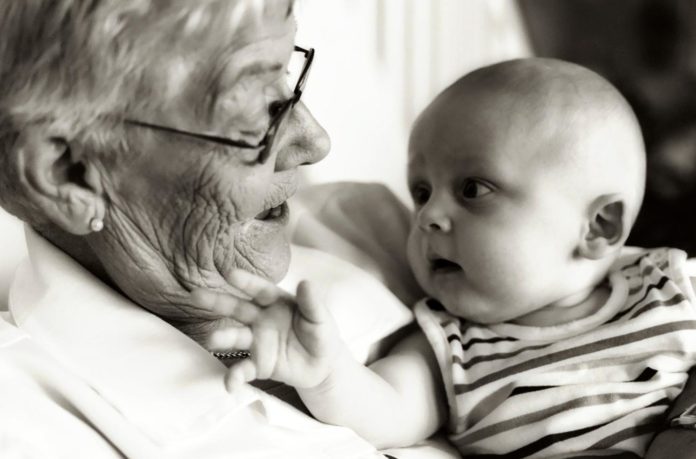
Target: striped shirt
(601, 383)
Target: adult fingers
(225, 305)
(231, 337)
(309, 304)
(262, 291)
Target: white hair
(73, 61)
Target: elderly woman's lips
(274, 213)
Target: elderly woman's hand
(292, 339)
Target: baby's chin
(476, 311)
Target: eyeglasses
(279, 113)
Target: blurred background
(380, 61)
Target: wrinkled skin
(181, 212)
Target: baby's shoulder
(657, 274)
(644, 262)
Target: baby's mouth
(273, 213)
(443, 266)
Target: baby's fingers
(310, 305)
(262, 291)
(225, 305)
(240, 373)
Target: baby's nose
(431, 219)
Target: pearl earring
(96, 224)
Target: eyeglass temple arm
(196, 135)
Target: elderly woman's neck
(78, 249)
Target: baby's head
(526, 178)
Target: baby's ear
(606, 228)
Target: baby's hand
(292, 340)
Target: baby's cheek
(416, 261)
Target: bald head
(556, 115)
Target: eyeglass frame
(274, 126)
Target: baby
(541, 337)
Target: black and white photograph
(347, 229)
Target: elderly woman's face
(184, 212)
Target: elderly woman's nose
(306, 140)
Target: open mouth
(274, 213)
(443, 266)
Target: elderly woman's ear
(61, 184)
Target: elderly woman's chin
(262, 246)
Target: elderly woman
(150, 147)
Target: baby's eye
(420, 194)
(474, 189)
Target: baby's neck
(573, 307)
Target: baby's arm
(676, 442)
(396, 402)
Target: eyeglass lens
(298, 72)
